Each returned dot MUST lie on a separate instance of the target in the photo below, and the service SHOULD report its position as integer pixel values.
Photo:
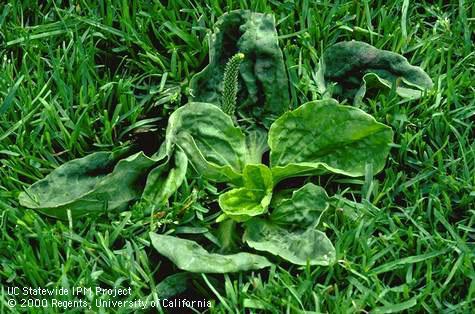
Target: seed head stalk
(230, 83)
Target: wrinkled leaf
(213, 145)
(165, 179)
(190, 256)
(322, 136)
(356, 66)
(264, 85)
(89, 185)
(297, 247)
(303, 210)
(251, 200)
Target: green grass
(91, 76)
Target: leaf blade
(214, 146)
(302, 143)
(348, 63)
(264, 84)
(309, 246)
(251, 200)
(89, 185)
(304, 209)
(190, 256)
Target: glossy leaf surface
(208, 137)
(322, 136)
(251, 200)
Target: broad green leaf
(356, 66)
(213, 145)
(298, 247)
(322, 136)
(173, 285)
(89, 185)
(165, 179)
(256, 142)
(257, 177)
(303, 210)
(264, 85)
(251, 200)
(228, 236)
(190, 256)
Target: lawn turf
(88, 76)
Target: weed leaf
(304, 209)
(208, 137)
(189, 256)
(298, 247)
(165, 179)
(356, 67)
(90, 184)
(322, 136)
(264, 84)
(251, 200)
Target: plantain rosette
(301, 143)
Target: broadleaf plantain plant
(317, 138)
